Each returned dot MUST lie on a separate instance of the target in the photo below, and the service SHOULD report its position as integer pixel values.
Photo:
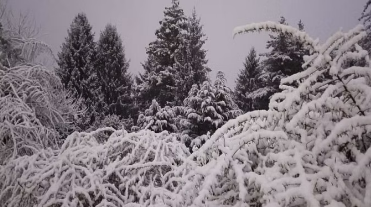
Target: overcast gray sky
(137, 20)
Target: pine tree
(196, 41)
(157, 119)
(284, 59)
(192, 63)
(247, 82)
(76, 63)
(159, 80)
(224, 101)
(112, 73)
(209, 107)
(366, 20)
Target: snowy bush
(158, 119)
(128, 168)
(113, 121)
(312, 148)
(34, 111)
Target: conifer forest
(79, 128)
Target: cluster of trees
(174, 93)
(96, 73)
(259, 80)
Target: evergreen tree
(192, 63)
(196, 41)
(366, 20)
(284, 59)
(224, 101)
(209, 107)
(76, 63)
(112, 73)
(157, 119)
(247, 82)
(159, 80)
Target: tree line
(174, 92)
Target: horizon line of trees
(174, 92)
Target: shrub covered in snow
(113, 121)
(312, 148)
(158, 119)
(128, 169)
(34, 111)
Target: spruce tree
(284, 59)
(224, 101)
(157, 119)
(159, 80)
(366, 20)
(196, 40)
(192, 65)
(247, 82)
(76, 64)
(112, 73)
(209, 107)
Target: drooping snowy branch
(275, 27)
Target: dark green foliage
(247, 82)
(76, 65)
(176, 60)
(209, 107)
(284, 59)
(159, 80)
(114, 81)
(366, 20)
(191, 65)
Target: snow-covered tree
(224, 101)
(158, 119)
(208, 108)
(311, 148)
(76, 64)
(128, 170)
(115, 83)
(366, 20)
(284, 59)
(160, 78)
(196, 40)
(247, 82)
(191, 64)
